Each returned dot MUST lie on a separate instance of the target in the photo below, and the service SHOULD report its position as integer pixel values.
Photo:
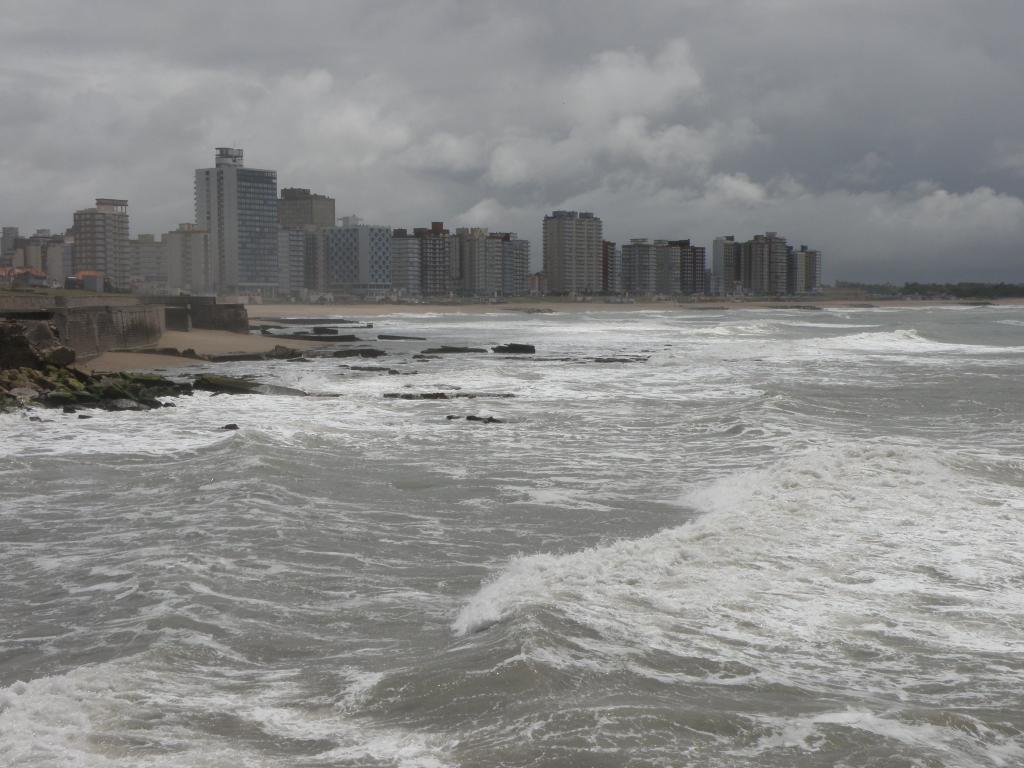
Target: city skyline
(247, 240)
(858, 126)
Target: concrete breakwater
(90, 329)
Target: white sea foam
(807, 551)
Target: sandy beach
(201, 341)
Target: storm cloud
(888, 134)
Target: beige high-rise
(572, 253)
(101, 241)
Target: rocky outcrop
(447, 350)
(32, 344)
(69, 389)
(514, 349)
(359, 352)
(397, 337)
(229, 385)
(445, 395)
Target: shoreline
(207, 342)
(259, 312)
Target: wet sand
(203, 342)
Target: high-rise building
(725, 266)
(101, 241)
(435, 259)
(479, 260)
(572, 253)
(300, 208)
(804, 272)
(190, 265)
(405, 263)
(148, 272)
(238, 207)
(515, 262)
(7, 237)
(357, 258)
(291, 257)
(764, 261)
(640, 266)
(668, 261)
(611, 268)
(692, 260)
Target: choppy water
(785, 539)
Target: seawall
(92, 329)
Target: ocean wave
(820, 545)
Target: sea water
(757, 538)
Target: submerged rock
(230, 427)
(484, 419)
(397, 337)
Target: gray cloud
(886, 133)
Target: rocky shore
(36, 369)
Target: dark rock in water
(84, 416)
(230, 427)
(324, 330)
(484, 419)
(279, 352)
(625, 359)
(397, 337)
(359, 352)
(515, 349)
(451, 417)
(447, 350)
(444, 395)
(374, 369)
(228, 385)
(34, 418)
(170, 405)
(124, 404)
(425, 357)
(326, 337)
(70, 409)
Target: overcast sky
(888, 133)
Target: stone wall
(91, 331)
(12, 300)
(221, 317)
(203, 312)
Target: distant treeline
(954, 290)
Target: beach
(208, 342)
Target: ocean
(745, 538)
